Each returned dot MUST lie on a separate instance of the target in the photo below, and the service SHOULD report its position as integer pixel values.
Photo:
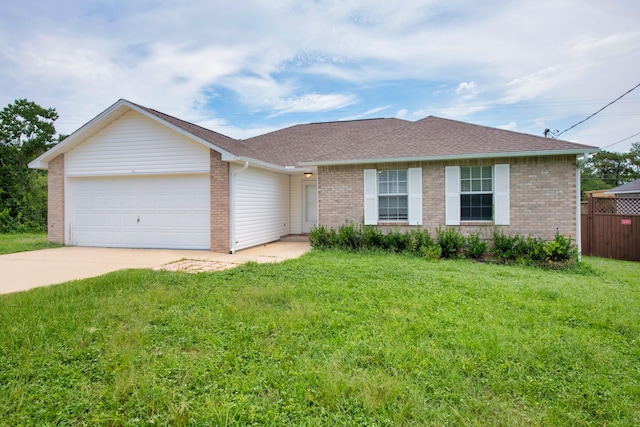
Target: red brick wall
(542, 195)
(220, 208)
(55, 213)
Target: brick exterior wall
(55, 202)
(220, 207)
(542, 195)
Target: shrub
(432, 252)
(560, 249)
(475, 247)
(321, 238)
(533, 250)
(451, 242)
(350, 237)
(395, 241)
(372, 238)
(505, 247)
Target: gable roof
(228, 147)
(434, 138)
(342, 142)
(629, 187)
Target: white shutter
(370, 197)
(452, 198)
(415, 196)
(501, 214)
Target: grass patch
(22, 242)
(332, 338)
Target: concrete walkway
(26, 270)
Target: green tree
(26, 131)
(608, 169)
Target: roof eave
(576, 152)
(270, 166)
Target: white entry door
(309, 205)
(164, 211)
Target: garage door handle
(138, 221)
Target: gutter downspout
(232, 205)
(579, 164)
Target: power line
(622, 140)
(612, 102)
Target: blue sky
(248, 67)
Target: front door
(309, 205)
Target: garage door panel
(144, 212)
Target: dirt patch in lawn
(196, 266)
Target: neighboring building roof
(628, 188)
(434, 138)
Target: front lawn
(21, 242)
(328, 339)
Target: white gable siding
(261, 207)
(135, 144)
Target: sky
(247, 67)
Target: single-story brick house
(135, 177)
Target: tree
(607, 169)
(26, 131)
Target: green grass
(22, 242)
(328, 339)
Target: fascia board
(270, 166)
(453, 157)
(183, 132)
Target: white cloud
(366, 113)
(467, 90)
(312, 103)
(270, 59)
(509, 126)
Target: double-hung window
(393, 202)
(476, 193)
(393, 196)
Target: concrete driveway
(26, 270)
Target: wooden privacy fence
(611, 228)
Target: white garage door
(140, 212)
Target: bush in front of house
(448, 243)
(533, 250)
(475, 247)
(355, 237)
(451, 242)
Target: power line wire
(612, 102)
(622, 140)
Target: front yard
(328, 339)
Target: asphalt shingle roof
(630, 187)
(307, 142)
(434, 137)
(377, 140)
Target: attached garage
(170, 211)
(136, 183)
